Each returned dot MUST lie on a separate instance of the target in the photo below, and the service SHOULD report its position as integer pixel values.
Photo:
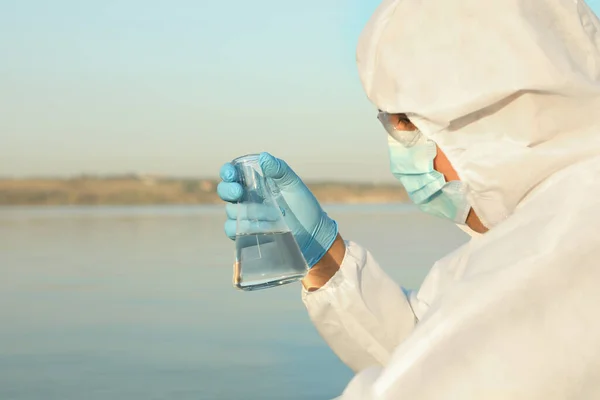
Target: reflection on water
(137, 303)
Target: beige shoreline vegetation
(143, 190)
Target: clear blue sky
(179, 87)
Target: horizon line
(146, 176)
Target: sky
(180, 87)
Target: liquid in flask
(266, 260)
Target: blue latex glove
(314, 231)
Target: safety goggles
(390, 123)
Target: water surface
(128, 303)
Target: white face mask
(411, 162)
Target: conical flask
(266, 253)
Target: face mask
(411, 162)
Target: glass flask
(266, 252)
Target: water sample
(267, 255)
(265, 260)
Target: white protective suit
(510, 91)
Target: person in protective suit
(492, 110)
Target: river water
(128, 303)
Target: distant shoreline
(146, 190)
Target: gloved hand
(314, 231)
